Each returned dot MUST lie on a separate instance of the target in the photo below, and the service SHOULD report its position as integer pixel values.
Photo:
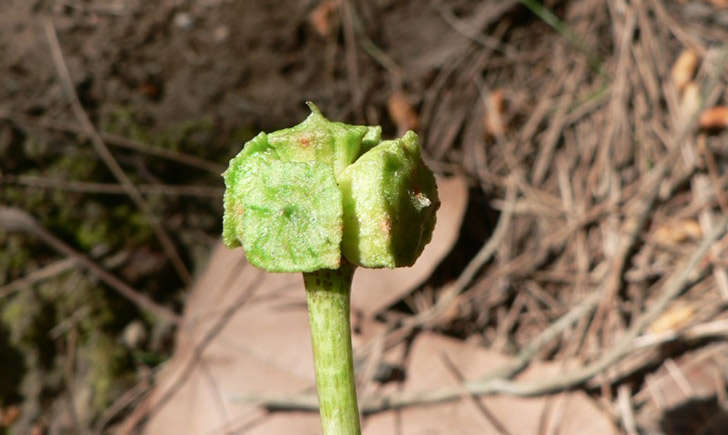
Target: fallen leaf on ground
(323, 16)
(675, 232)
(691, 379)
(428, 370)
(401, 112)
(684, 68)
(265, 348)
(9, 415)
(494, 110)
(675, 317)
(714, 118)
(265, 345)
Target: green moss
(18, 313)
(76, 299)
(191, 136)
(108, 368)
(29, 318)
(70, 301)
(35, 148)
(123, 121)
(77, 164)
(14, 257)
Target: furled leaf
(390, 200)
(293, 195)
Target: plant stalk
(327, 292)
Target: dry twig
(108, 158)
(51, 270)
(110, 188)
(120, 141)
(501, 385)
(16, 220)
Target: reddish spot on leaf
(305, 141)
(386, 226)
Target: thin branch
(111, 188)
(108, 158)
(673, 287)
(135, 394)
(475, 34)
(713, 173)
(476, 400)
(13, 219)
(628, 343)
(68, 378)
(638, 211)
(49, 271)
(624, 402)
(176, 156)
(525, 356)
(121, 142)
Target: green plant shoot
(322, 198)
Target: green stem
(328, 292)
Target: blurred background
(577, 281)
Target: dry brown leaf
(676, 317)
(714, 118)
(266, 346)
(9, 415)
(323, 17)
(684, 68)
(675, 232)
(428, 370)
(494, 111)
(375, 289)
(402, 112)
